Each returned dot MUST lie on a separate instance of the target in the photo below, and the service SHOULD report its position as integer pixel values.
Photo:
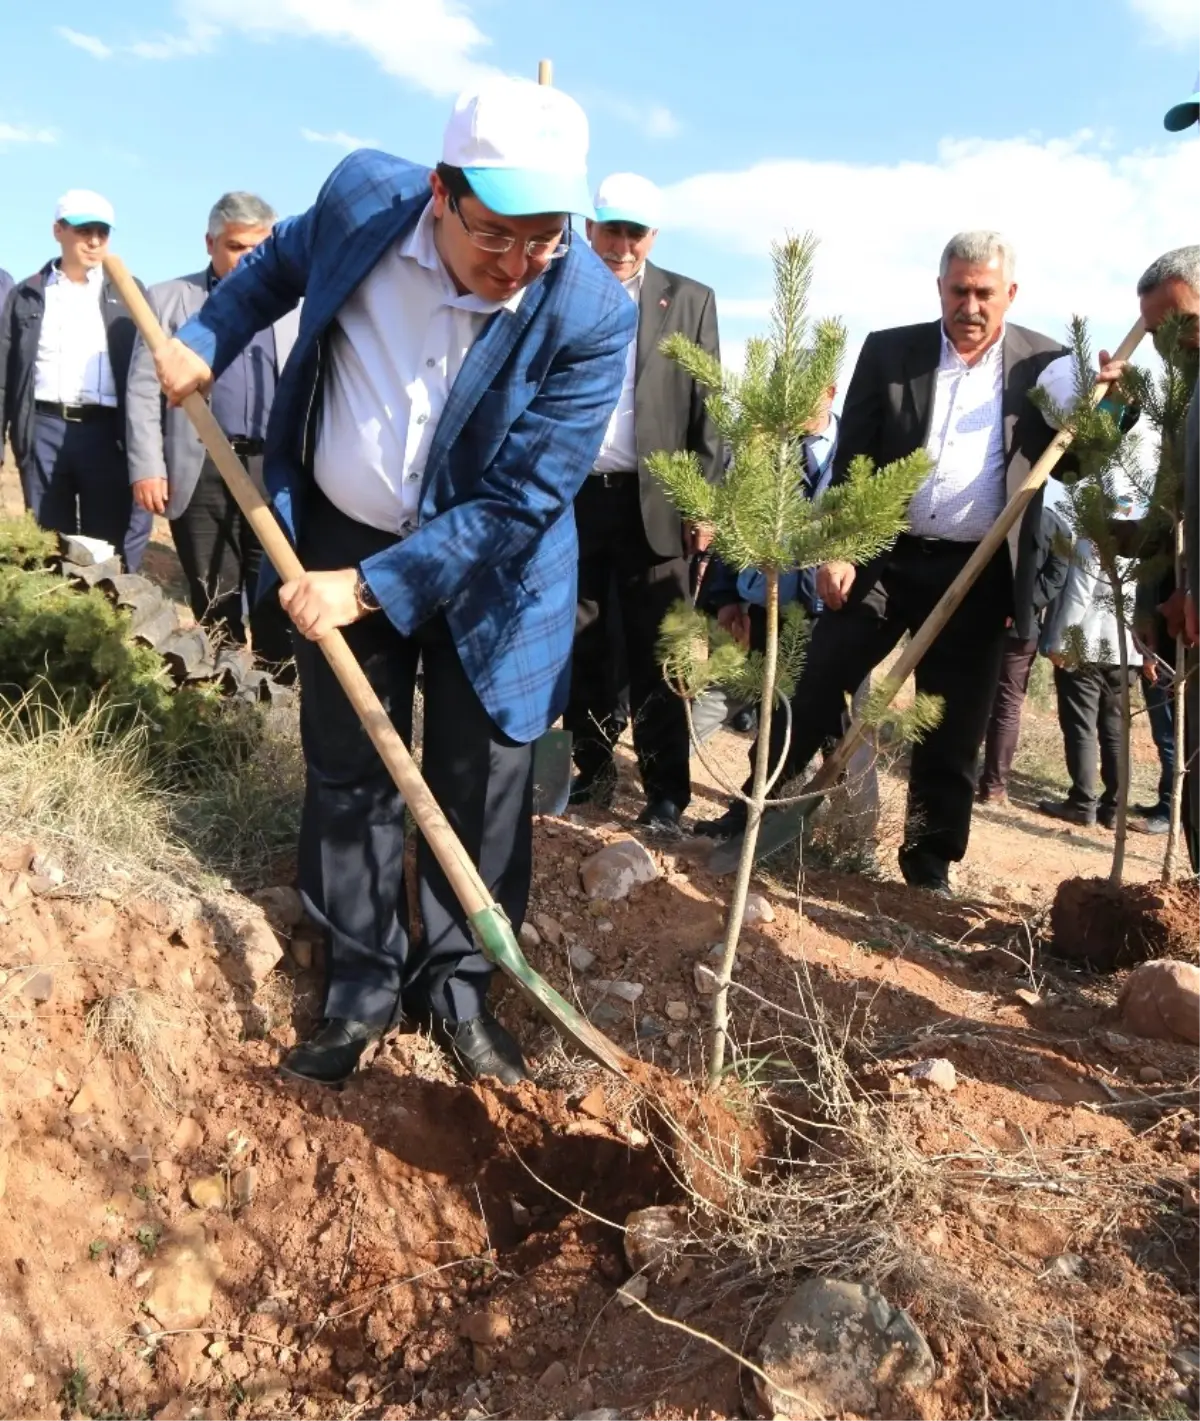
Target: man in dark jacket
(628, 529)
(65, 345)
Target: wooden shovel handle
(952, 598)
(441, 838)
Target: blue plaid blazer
(495, 549)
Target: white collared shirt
(963, 496)
(618, 452)
(395, 350)
(73, 367)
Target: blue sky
(883, 127)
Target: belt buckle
(72, 418)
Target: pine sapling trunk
(754, 813)
(1178, 712)
(1121, 830)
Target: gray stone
(758, 909)
(837, 1344)
(936, 1073)
(553, 1378)
(259, 949)
(1186, 1361)
(623, 991)
(579, 957)
(283, 906)
(616, 868)
(1069, 1267)
(705, 979)
(529, 936)
(653, 1237)
(649, 1028)
(677, 1011)
(633, 1290)
(45, 866)
(87, 552)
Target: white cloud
(338, 139)
(197, 38)
(652, 120)
(12, 134)
(90, 44)
(1173, 21)
(1085, 220)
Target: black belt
(246, 448)
(610, 478)
(931, 546)
(75, 414)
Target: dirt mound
(1106, 928)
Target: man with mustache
(958, 387)
(633, 545)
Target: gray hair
(979, 248)
(1183, 264)
(239, 209)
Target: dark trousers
(1160, 711)
(1089, 713)
(1004, 723)
(352, 827)
(615, 559)
(220, 557)
(893, 595)
(76, 480)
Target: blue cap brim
(524, 192)
(622, 214)
(82, 219)
(1183, 115)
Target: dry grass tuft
(142, 1024)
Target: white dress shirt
(618, 452)
(963, 496)
(73, 367)
(395, 350)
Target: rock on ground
(258, 949)
(1161, 999)
(186, 1268)
(936, 1073)
(283, 906)
(616, 868)
(837, 1345)
(758, 909)
(653, 1237)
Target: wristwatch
(366, 599)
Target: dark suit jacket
(890, 403)
(669, 408)
(20, 330)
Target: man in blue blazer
(457, 361)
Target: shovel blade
(552, 772)
(498, 943)
(778, 829)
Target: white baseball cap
(625, 197)
(522, 146)
(79, 207)
(1060, 382)
(1184, 114)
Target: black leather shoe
(662, 816)
(480, 1047)
(1106, 816)
(598, 789)
(331, 1056)
(728, 826)
(1151, 824)
(923, 870)
(1070, 813)
(745, 722)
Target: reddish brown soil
(1105, 927)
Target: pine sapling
(760, 518)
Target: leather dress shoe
(330, 1057)
(728, 826)
(662, 816)
(480, 1047)
(1067, 811)
(923, 870)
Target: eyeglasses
(537, 250)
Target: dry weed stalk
(143, 1024)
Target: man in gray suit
(168, 467)
(633, 545)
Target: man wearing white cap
(630, 536)
(457, 360)
(65, 345)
